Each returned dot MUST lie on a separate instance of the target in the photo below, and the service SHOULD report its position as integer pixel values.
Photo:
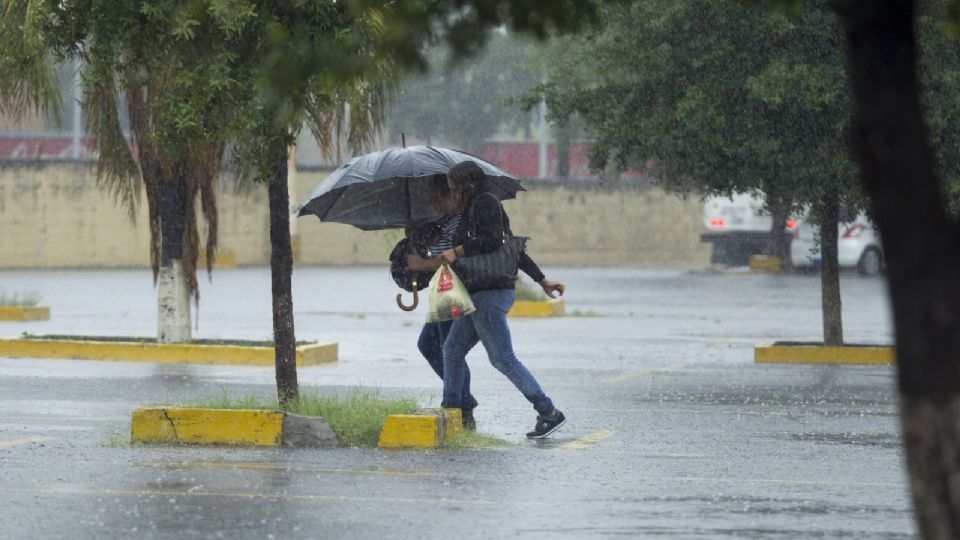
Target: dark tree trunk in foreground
(281, 269)
(830, 269)
(921, 247)
(779, 243)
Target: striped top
(445, 241)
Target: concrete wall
(53, 215)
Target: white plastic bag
(449, 299)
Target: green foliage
(24, 299)
(466, 25)
(712, 97)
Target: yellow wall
(53, 215)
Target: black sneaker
(547, 425)
(468, 421)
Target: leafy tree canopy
(721, 97)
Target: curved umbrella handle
(416, 299)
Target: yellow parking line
(641, 373)
(588, 441)
(24, 440)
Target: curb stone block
(242, 427)
(531, 308)
(12, 313)
(426, 428)
(164, 353)
(764, 264)
(788, 353)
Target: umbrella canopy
(391, 188)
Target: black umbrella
(391, 188)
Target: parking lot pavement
(673, 430)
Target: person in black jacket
(434, 334)
(481, 230)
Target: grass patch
(470, 439)
(528, 291)
(26, 299)
(356, 418)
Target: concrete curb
(541, 308)
(784, 353)
(240, 427)
(10, 313)
(763, 264)
(163, 353)
(426, 428)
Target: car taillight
(854, 231)
(718, 222)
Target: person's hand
(448, 257)
(550, 287)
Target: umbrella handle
(416, 299)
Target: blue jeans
(431, 347)
(487, 325)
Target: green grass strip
(27, 299)
(469, 439)
(356, 418)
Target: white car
(858, 245)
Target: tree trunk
(779, 243)
(281, 270)
(830, 269)
(563, 149)
(173, 297)
(920, 244)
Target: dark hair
(439, 191)
(469, 179)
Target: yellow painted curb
(452, 422)
(174, 425)
(531, 308)
(424, 429)
(765, 265)
(163, 353)
(410, 431)
(819, 354)
(10, 313)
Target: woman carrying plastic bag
(449, 299)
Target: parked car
(858, 246)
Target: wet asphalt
(673, 431)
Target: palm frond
(28, 77)
(117, 171)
